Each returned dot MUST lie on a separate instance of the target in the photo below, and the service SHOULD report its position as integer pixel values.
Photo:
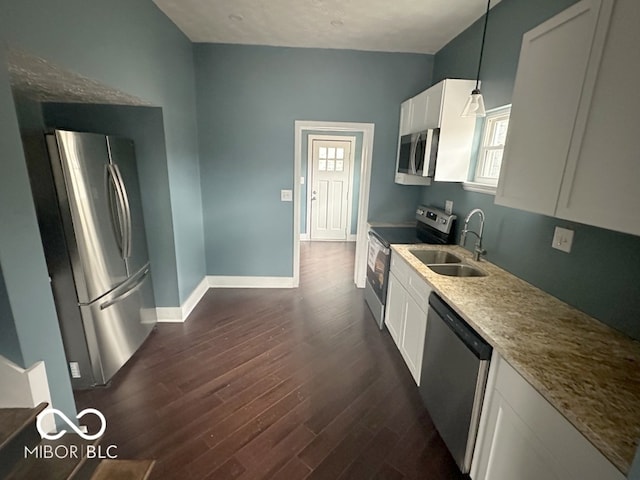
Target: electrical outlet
(286, 195)
(75, 369)
(562, 239)
(448, 207)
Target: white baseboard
(352, 237)
(195, 297)
(25, 388)
(220, 281)
(169, 314)
(180, 314)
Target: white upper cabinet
(406, 110)
(441, 106)
(572, 149)
(601, 185)
(549, 82)
(419, 113)
(456, 131)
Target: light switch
(562, 239)
(286, 195)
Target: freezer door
(91, 209)
(120, 322)
(124, 161)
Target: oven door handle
(375, 240)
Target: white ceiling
(418, 26)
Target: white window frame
(487, 184)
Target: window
(490, 150)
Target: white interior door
(330, 189)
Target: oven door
(378, 266)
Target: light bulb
(475, 105)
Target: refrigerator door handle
(126, 250)
(127, 288)
(117, 213)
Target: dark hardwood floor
(281, 384)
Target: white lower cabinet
(522, 436)
(393, 317)
(406, 314)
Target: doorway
(331, 169)
(361, 192)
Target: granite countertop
(589, 372)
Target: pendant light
(475, 104)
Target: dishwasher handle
(474, 342)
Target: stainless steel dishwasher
(455, 364)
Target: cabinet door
(456, 131)
(435, 105)
(406, 110)
(512, 450)
(547, 91)
(522, 436)
(419, 113)
(601, 185)
(412, 342)
(394, 310)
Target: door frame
(367, 129)
(329, 138)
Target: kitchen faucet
(478, 250)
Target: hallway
(286, 384)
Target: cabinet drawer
(419, 289)
(400, 268)
(415, 285)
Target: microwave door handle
(431, 153)
(412, 154)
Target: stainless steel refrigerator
(94, 238)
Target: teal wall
(9, 343)
(600, 275)
(154, 63)
(22, 261)
(248, 100)
(132, 47)
(357, 164)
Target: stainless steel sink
(457, 270)
(435, 256)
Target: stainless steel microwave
(417, 156)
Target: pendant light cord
(484, 36)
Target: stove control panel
(435, 218)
